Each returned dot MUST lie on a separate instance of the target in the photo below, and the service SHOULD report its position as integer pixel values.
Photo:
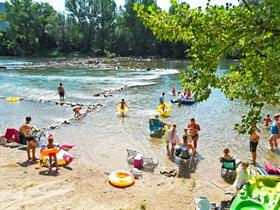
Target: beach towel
(12, 134)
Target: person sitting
(123, 104)
(52, 155)
(226, 155)
(186, 150)
(267, 120)
(77, 112)
(155, 123)
(26, 135)
(242, 177)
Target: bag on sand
(3, 140)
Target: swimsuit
(253, 146)
(274, 129)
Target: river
(102, 137)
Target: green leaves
(253, 31)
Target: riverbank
(83, 186)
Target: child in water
(267, 120)
(52, 155)
(77, 112)
(188, 94)
(173, 91)
(123, 104)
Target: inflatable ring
(167, 111)
(121, 178)
(13, 99)
(47, 152)
(122, 111)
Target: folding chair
(149, 162)
(131, 154)
(228, 168)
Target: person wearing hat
(77, 112)
(242, 177)
(275, 134)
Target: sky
(164, 4)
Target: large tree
(27, 22)
(216, 31)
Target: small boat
(184, 102)
(260, 193)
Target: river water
(102, 137)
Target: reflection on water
(102, 137)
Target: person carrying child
(52, 156)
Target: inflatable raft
(185, 102)
(260, 193)
(122, 111)
(166, 112)
(13, 99)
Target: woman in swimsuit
(275, 134)
(192, 129)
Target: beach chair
(149, 162)
(131, 154)
(228, 168)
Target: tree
(253, 29)
(27, 25)
(106, 21)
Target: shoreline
(84, 186)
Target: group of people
(27, 136)
(182, 96)
(189, 142)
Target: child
(242, 177)
(267, 120)
(172, 138)
(173, 91)
(77, 112)
(226, 155)
(52, 155)
(123, 104)
(188, 94)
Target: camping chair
(149, 162)
(130, 155)
(228, 168)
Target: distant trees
(95, 27)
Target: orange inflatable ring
(121, 178)
(47, 152)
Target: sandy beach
(82, 186)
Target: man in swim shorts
(61, 91)
(254, 140)
(25, 131)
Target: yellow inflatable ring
(122, 111)
(47, 152)
(166, 112)
(121, 178)
(13, 99)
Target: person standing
(172, 137)
(254, 140)
(61, 91)
(192, 130)
(161, 98)
(275, 134)
(25, 131)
